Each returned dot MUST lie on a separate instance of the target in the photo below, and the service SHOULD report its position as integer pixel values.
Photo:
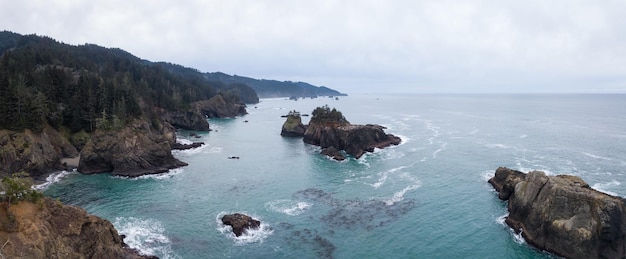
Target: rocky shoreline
(561, 214)
(49, 229)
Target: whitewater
(425, 198)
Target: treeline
(272, 88)
(88, 87)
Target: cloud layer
(359, 46)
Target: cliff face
(353, 139)
(52, 230)
(135, 150)
(217, 107)
(562, 214)
(186, 120)
(36, 153)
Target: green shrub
(18, 187)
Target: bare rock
(562, 214)
(240, 223)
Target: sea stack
(329, 128)
(293, 126)
(562, 214)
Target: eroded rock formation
(217, 107)
(355, 140)
(52, 230)
(333, 133)
(134, 150)
(293, 126)
(240, 223)
(36, 153)
(562, 214)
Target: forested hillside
(86, 87)
(272, 88)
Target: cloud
(423, 46)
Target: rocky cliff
(36, 153)
(49, 229)
(217, 107)
(562, 214)
(137, 149)
(355, 140)
(188, 120)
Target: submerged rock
(50, 229)
(240, 223)
(333, 153)
(562, 214)
(180, 146)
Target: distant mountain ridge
(273, 88)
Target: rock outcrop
(355, 140)
(217, 107)
(562, 214)
(188, 120)
(293, 126)
(180, 146)
(52, 230)
(134, 150)
(36, 153)
(333, 133)
(240, 223)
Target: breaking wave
(53, 178)
(248, 236)
(145, 235)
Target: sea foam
(603, 187)
(289, 207)
(53, 178)
(248, 236)
(145, 235)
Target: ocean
(425, 198)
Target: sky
(358, 46)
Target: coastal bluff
(330, 130)
(49, 229)
(561, 214)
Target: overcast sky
(358, 46)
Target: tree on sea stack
(328, 116)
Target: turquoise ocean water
(426, 198)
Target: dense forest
(87, 87)
(272, 88)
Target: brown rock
(53, 230)
(36, 153)
(240, 223)
(134, 150)
(562, 214)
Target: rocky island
(330, 130)
(562, 214)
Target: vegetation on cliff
(272, 88)
(88, 87)
(326, 115)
